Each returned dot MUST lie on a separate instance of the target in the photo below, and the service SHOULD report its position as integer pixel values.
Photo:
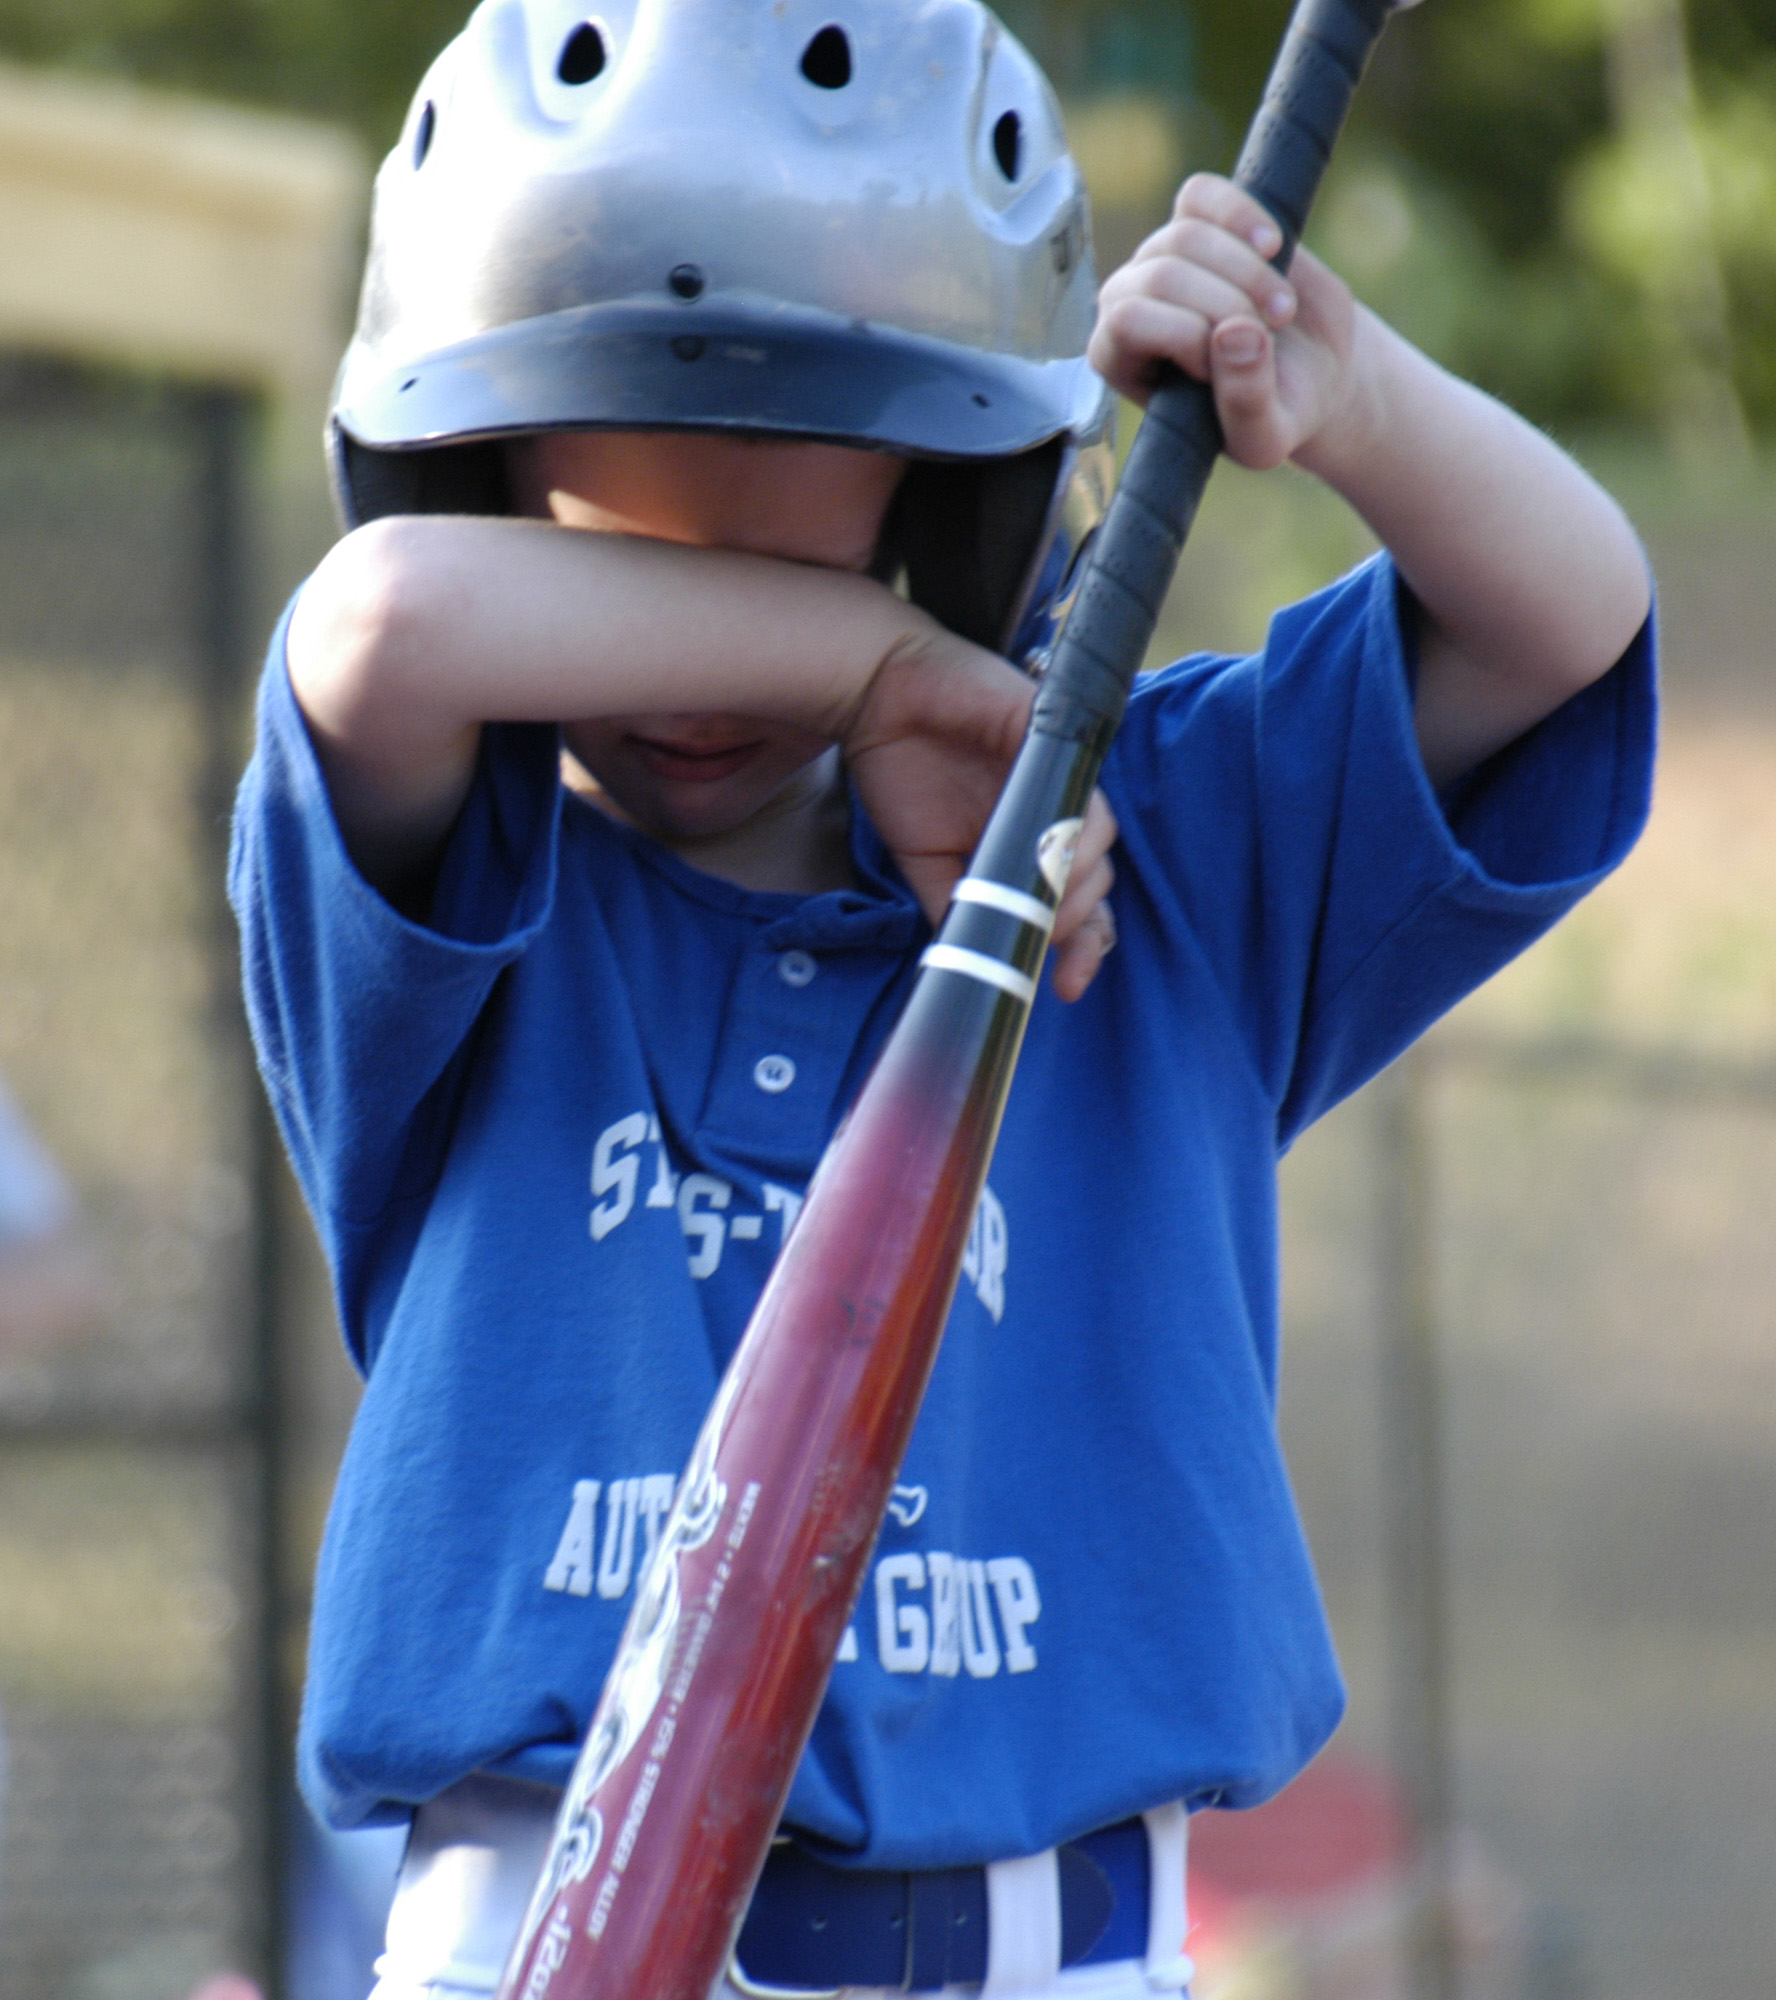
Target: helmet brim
(761, 369)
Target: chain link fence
(1546, 1544)
(138, 1442)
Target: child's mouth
(685, 763)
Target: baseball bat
(669, 1815)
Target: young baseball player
(717, 439)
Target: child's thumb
(1243, 363)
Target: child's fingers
(1077, 961)
(1185, 280)
(1171, 317)
(1243, 370)
(1214, 288)
(1085, 929)
(1089, 882)
(1089, 887)
(1214, 198)
(1096, 838)
(1134, 334)
(1195, 252)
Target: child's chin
(674, 822)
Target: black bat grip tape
(1130, 568)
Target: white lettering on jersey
(614, 1170)
(619, 1537)
(1014, 1586)
(946, 1643)
(657, 1490)
(903, 1632)
(702, 1201)
(582, 1560)
(980, 1643)
(957, 1629)
(783, 1201)
(706, 1230)
(572, 1568)
(983, 1262)
(936, 1613)
(664, 1192)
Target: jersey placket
(787, 1041)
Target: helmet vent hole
(826, 61)
(1008, 144)
(422, 134)
(582, 55)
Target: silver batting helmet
(850, 220)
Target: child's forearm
(1529, 579)
(416, 626)
(414, 632)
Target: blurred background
(1530, 1386)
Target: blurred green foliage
(1573, 202)
(352, 60)
(1510, 195)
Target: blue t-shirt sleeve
(1276, 810)
(360, 1015)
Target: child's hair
(859, 226)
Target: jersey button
(773, 1074)
(796, 968)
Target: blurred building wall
(190, 240)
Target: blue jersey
(554, 1138)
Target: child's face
(815, 503)
(693, 777)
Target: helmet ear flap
(965, 532)
(447, 479)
